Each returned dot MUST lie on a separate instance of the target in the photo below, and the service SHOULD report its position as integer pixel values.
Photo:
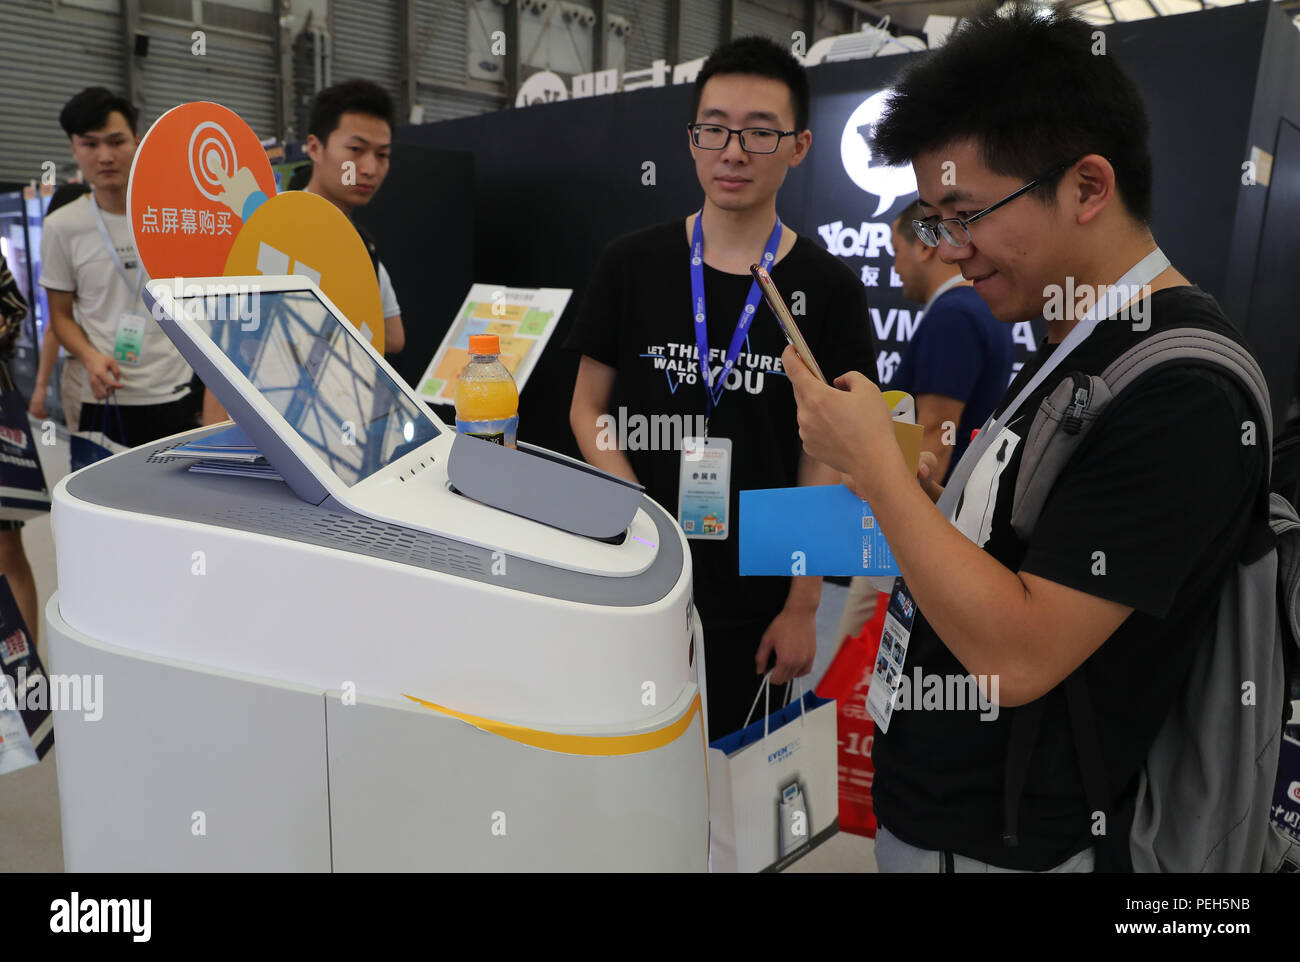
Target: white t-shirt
(386, 293)
(74, 259)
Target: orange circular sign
(198, 174)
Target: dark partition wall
(554, 184)
(423, 222)
(1263, 283)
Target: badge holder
(704, 489)
(128, 343)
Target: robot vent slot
(156, 457)
(367, 537)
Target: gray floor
(29, 798)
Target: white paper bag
(773, 787)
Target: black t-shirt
(1165, 486)
(636, 317)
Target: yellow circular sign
(301, 233)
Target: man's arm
(394, 334)
(44, 370)
(103, 371)
(213, 412)
(994, 620)
(935, 412)
(591, 393)
(793, 633)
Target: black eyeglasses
(956, 230)
(753, 140)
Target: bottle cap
(484, 344)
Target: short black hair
(300, 177)
(1025, 84)
(65, 194)
(913, 211)
(758, 57)
(88, 111)
(356, 96)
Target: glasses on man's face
(956, 230)
(753, 140)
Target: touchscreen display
(317, 375)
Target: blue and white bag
(774, 786)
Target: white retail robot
(419, 651)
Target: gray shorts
(895, 855)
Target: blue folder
(812, 530)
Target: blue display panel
(317, 376)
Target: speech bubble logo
(542, 87)
(887, 183)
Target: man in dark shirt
(639, 389)
(958, 363)
(1122, 571)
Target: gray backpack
(1205, 791)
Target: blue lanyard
(117, 260)
(711, 394)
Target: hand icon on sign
(241, 192)
(214, 166)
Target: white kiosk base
(196, 769)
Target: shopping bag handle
(764, 689)
(111, 402)
(802, 710)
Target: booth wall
(1263, 284)
(421, 224)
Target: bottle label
(499, 430)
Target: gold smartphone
(788, 327)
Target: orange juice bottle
(487, 401)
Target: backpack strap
(1025, 721)
(1284, 522)
(1209, 348)
(1086, 745)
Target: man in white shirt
(134, 383)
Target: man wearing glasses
(663, 298)
(1027, 192)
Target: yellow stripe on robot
(575, 744)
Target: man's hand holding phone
(847, 427)
(784, 319)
